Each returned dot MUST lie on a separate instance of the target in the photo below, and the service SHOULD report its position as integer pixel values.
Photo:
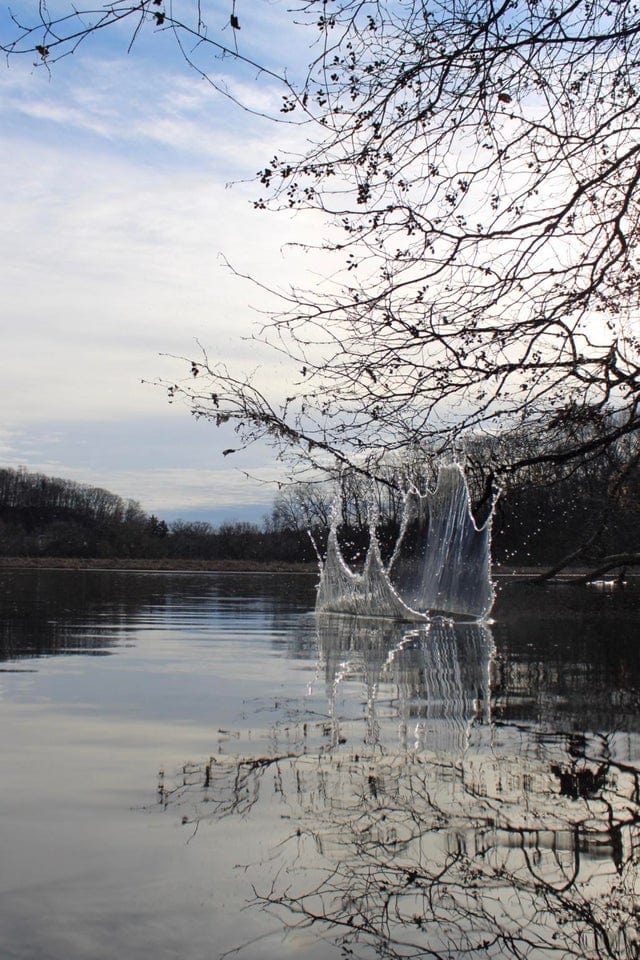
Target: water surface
(193, 763)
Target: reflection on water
(422, 827)
(390, 790)
(434, 679)
(44, 613)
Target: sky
(117, 216)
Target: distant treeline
(552, 508)
(43, 516)
(542, 515)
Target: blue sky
(117, 213)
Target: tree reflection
(418, 827)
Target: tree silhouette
(456, 836)
(477, 165)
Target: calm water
(192, 764)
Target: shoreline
(155, 565)
(168, 565)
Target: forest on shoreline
(476, 295)
(535, 524)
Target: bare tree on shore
(475, 167)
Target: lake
(196, 766)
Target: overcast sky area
(116, 215)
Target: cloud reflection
(416, 826)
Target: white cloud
(108, 260)
(7, 440)
(171, 465)
(188, 489)
(115, 213)
(133, 103)
(178, 488)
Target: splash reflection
(435, 675)
(416, 826)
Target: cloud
(135, 104)
(110, 259)
(198, 489)
(115, 214)
(179, 490)
(7, 443)
(173, 465)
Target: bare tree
(482, 164)
(51, 34)
(477, 165)
(301, 507)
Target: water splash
(441, 562)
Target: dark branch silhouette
(476, 168)
(477, 839)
